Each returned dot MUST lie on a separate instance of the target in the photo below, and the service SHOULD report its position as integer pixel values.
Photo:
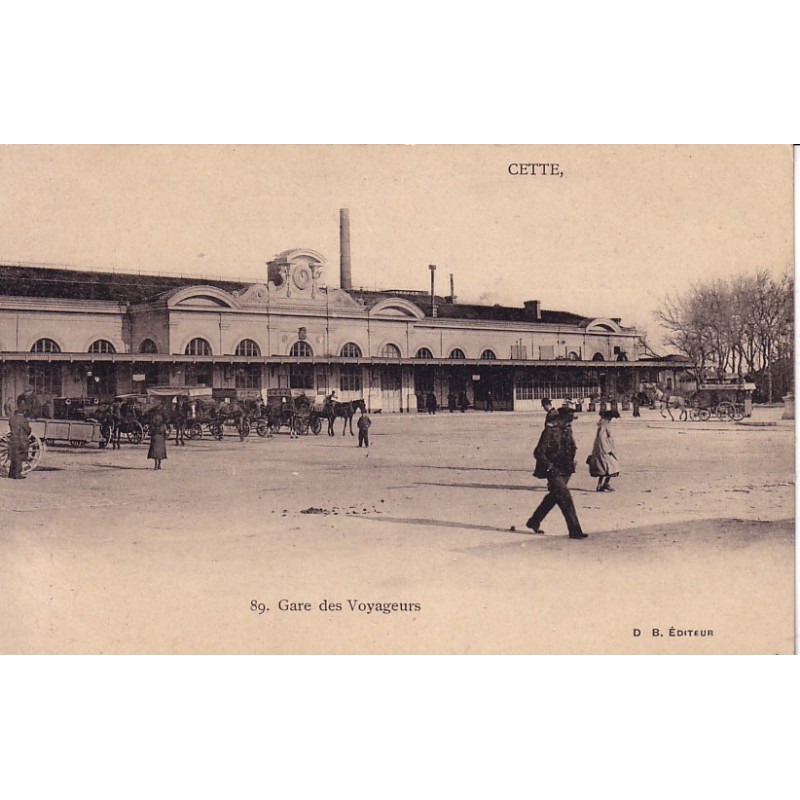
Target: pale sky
(622, 227)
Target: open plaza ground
(416, 545)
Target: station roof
(448, 310)
(72, 284)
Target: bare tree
(743, 324)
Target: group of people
(555, 462)
(463, 401)
(455, 401)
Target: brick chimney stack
(345, 272)
(533, 309)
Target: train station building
(75, 333)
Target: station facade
(72, 333)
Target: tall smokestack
(345, 274)
(452, 290)
(432, 268)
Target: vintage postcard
(517, 399)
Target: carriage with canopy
(130, 414)
(188, 410)
(726, 401)
(296, 412)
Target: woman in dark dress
(158, 440)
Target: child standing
(363, 429)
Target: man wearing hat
(20, 432)
(552, 413)
(555, 460)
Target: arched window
(457, 352)
(45, 346)
(350, 350)
(102, 346)
(390, 351)
(423, 352)
(488, 355)
(148, 346)
(247, 347)
(198, 347)
(301, 350)
(598, 357)
(573, 356)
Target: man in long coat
(555, 460)
(18, 445)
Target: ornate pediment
(296, 274)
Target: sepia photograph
(401, 399)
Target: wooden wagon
(76, 433)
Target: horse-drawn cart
(131, 412)
(726, 401)
(190, 410)
(296, 412)
(76, 433)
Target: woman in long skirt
(603, 462)
(158, 440)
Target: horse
(670, 401)
(183, 410)
(122, 418)
(238, 411)
(115, 420)
(283, 414)
(345, 410)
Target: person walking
(489, 400)
(363, 429)
(555, 460)
(158, 439)
(463, 403)
(451, 402)
(603, 462)
(20, 431)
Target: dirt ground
(412, 538)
